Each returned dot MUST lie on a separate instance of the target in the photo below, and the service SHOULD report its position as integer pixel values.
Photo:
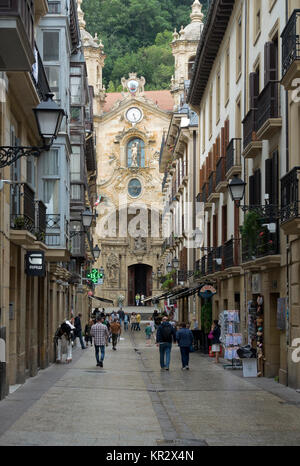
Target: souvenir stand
(231, 338)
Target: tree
(129, 29)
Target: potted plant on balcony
(19, 223)
(250, 232)
(197, 274)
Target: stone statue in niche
(134, 155)
(113, 267)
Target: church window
(134, 188)
(136, 153)
(191, 64)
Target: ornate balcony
(265, 251)
(268, 118)
(16, 35)
(213, 196)
(252, 146)
(233, 158)
(39, 77)
(28, 216)
(290, 213)
(291, 51)
(221, 182)
(231, 257)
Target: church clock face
(134, 115)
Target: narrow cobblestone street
(131, 402)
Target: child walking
(148, 331)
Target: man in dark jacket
(78, 329)
(184, 337)
(166, 333)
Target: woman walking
(216, 344)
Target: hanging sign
(207, 292)
(35, 264)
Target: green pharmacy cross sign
(96, 276)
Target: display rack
(231, 338)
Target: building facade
(179, 162)
(36, 196)
(129, 131)
(246, 129)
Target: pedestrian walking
(78, 330)
(107, 323)
(126, 322)
(137, 299)
(142, 299)
(133, 321)
(153, 329)
(115, 329)
(138, 321)
(216, 344)
(166, 334)
(156, 318)
(100, 334)
(87, 333)
(121, 315)
(148, 332)
(114, 316)
(184, 338)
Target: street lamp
(97, 252)
(169, 267)
(237, 189)
(87, 218)
(175, 263)
(48, 118)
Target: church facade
(129, 130)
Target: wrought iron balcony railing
(267, 104)
(220, 171)
(212, 183)
(266, 244)
(249, 127)
(229, 260)
(233, 154)
(291, 42)
(39, 76)
(290, 195)
(27, 213)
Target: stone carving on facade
(140, 245)
(113, 267)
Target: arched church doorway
(139, 281)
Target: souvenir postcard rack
(231, 338)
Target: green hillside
(136, 35)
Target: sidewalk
(131, 402)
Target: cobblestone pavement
(131, 402)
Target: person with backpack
(166, 334)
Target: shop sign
(207, 292)
(35, 264)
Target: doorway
(139, 281)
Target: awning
(188, 292)
(102, 299)
(166, 295)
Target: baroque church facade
(130, 127)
